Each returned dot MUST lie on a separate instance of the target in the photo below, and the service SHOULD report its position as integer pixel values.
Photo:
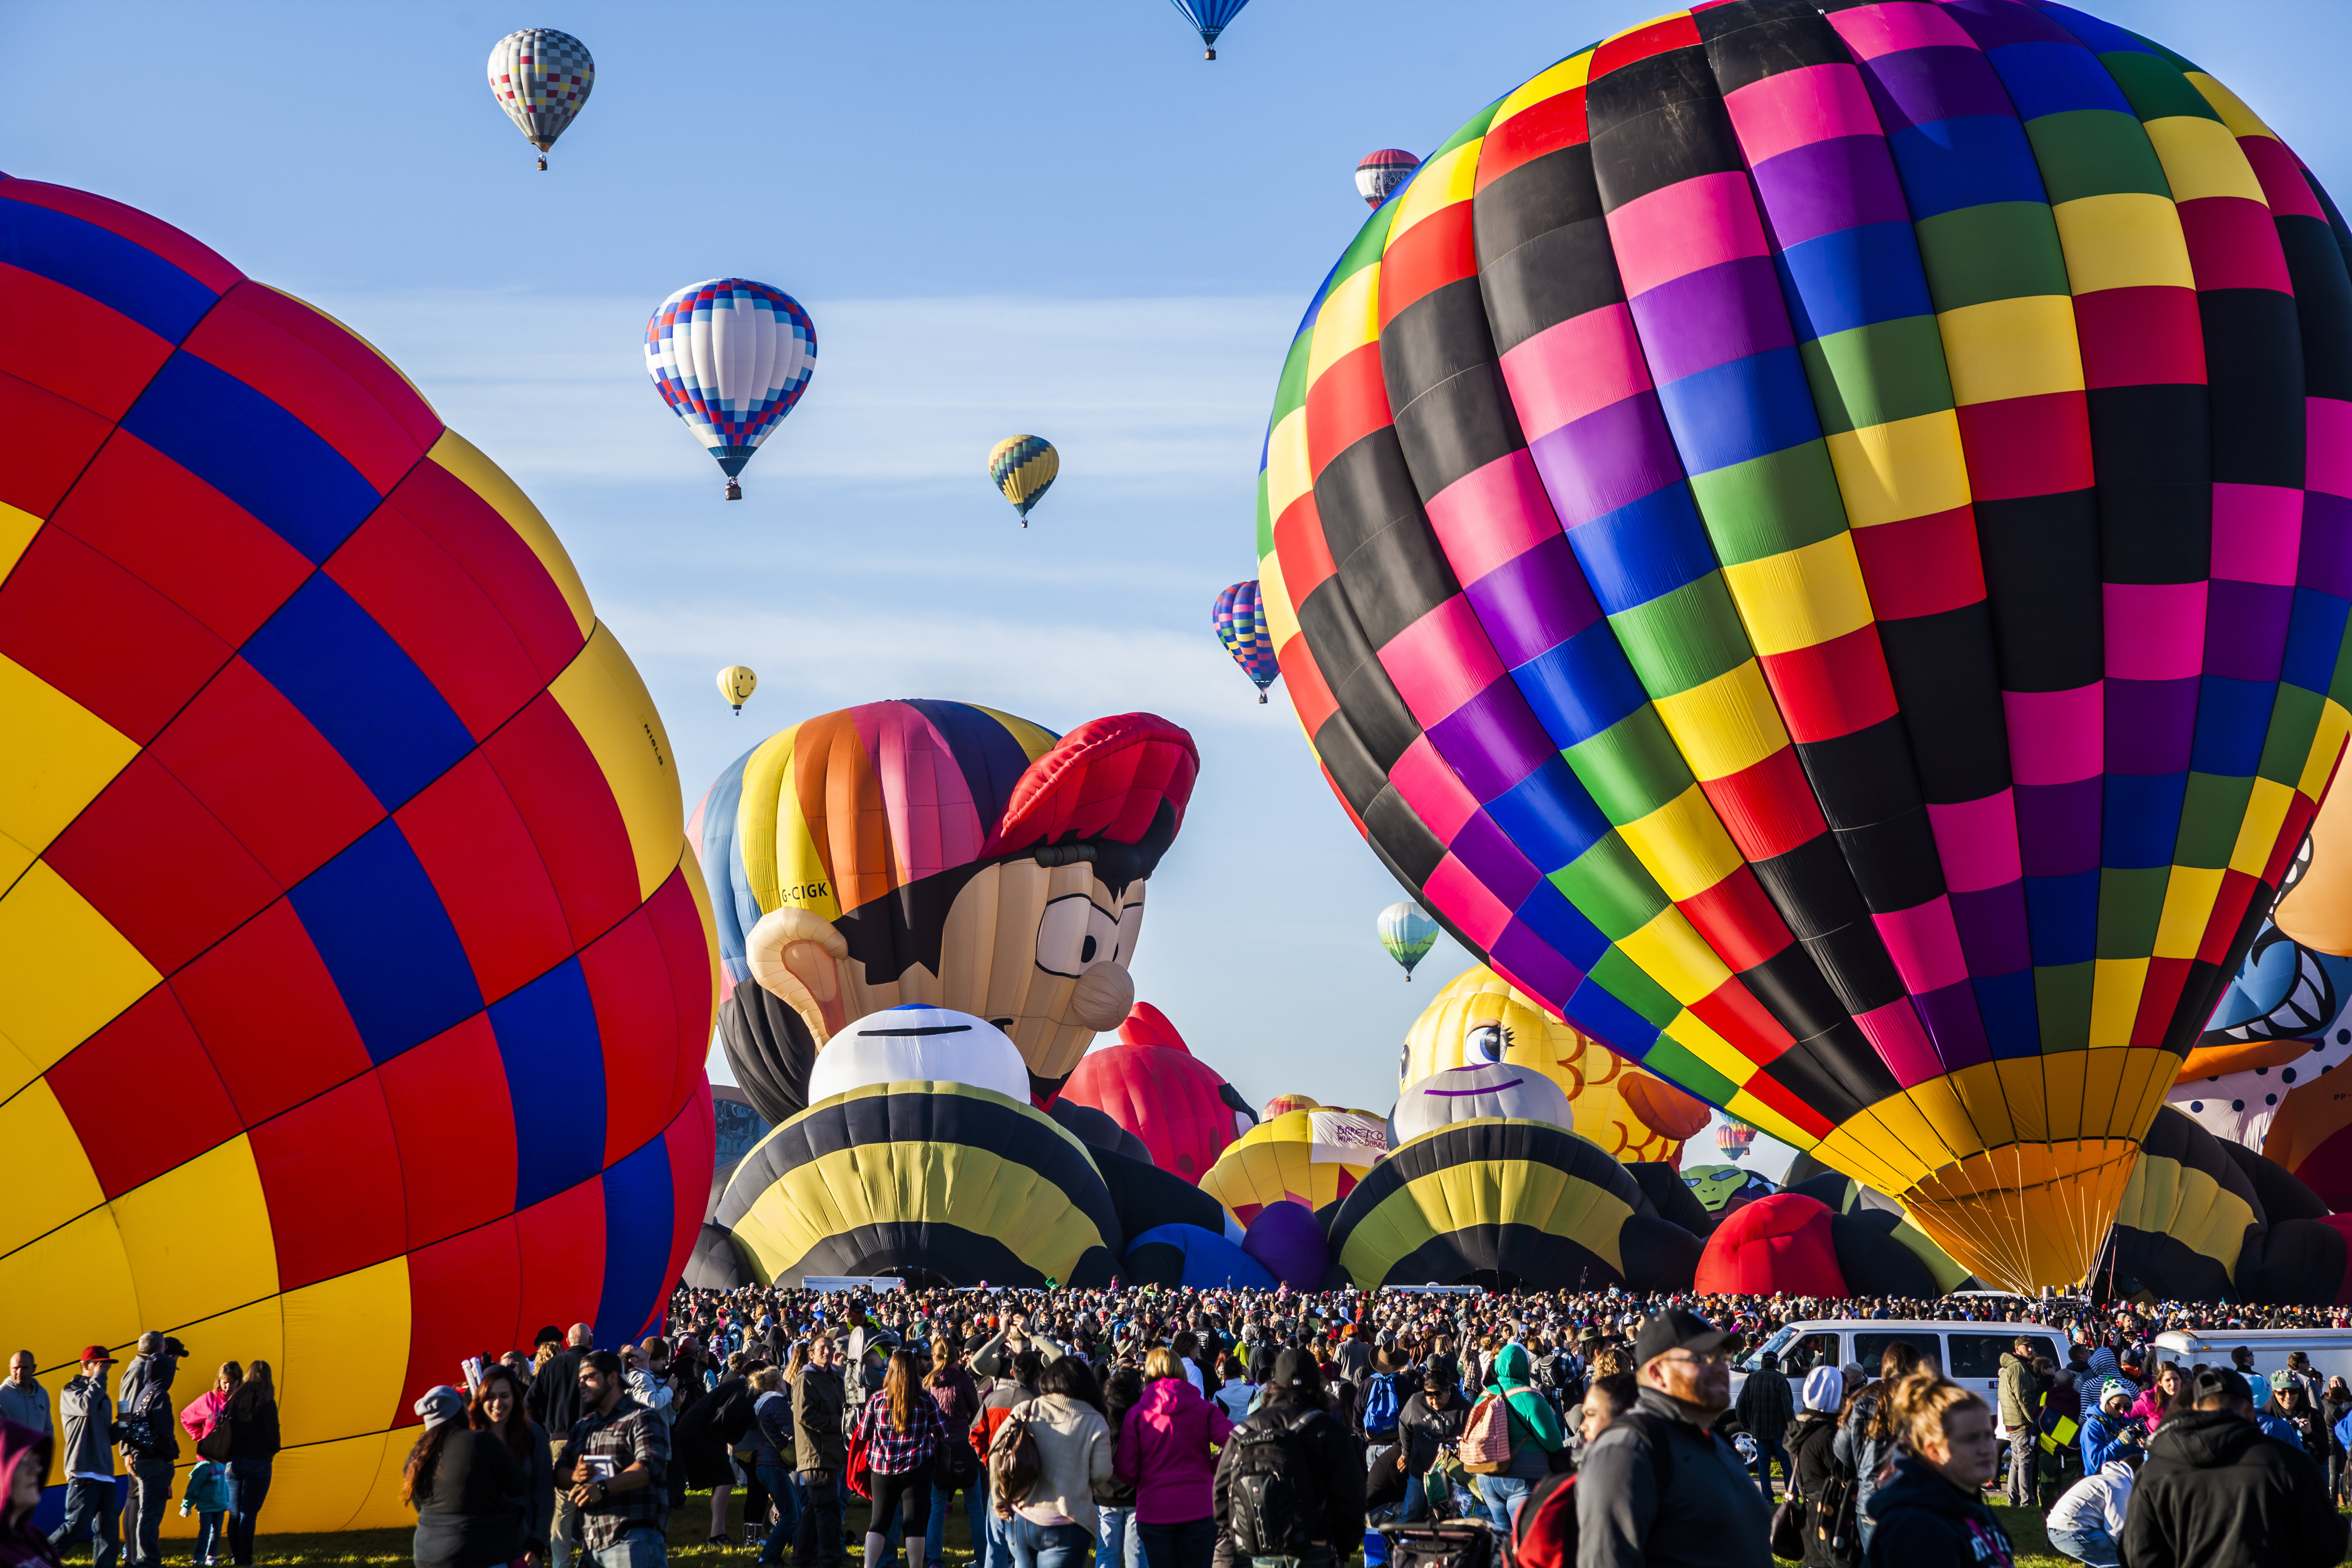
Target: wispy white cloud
(1134, 391)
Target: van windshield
(1773, 1346)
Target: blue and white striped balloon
(730, 357)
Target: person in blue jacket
(2108, 1432)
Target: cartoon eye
(1125, 935)
(1072, 933)
(1486, 1042)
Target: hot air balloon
(345, 832)
(1726, 624)
(1240, 624)
(1506, 1203)
(1309, 1157)
(1479, 1017)
(935, 1180)
(1733, 1138)
(941, 853)
(1151, 1084)
(1380, 173)
(1284, 1104)
(1407, 934)
(736, 685)
(541, 78)
(1023, 468)
(1210, 18)
(731, 358)
(1478, 1089)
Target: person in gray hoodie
(87, 1416)
(150, 1445)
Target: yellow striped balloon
(736, 684)
(1022, 468)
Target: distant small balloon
(1210, 18)
(541, 78)
(1407, 934)
(1239, 618)
(736, 684)
(1023, 468)
(1380, 173)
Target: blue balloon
(1210, 18)
(1187, 1255)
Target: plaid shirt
(630, 1435)
(896, 1452)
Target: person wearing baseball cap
(1708, 1513)
(2218, 1492)
(86, 1413)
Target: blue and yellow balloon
(1022, 468)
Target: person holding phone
(615, 1463)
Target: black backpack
(1266, 1516)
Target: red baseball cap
(94, 1353)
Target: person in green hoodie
(1536, 1435)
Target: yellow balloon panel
(322, 1380)
(1480, 1017)
(1309, 1157)
(201, 1234)
(64, 970)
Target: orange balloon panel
(355, 981)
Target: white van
(2330, 1350)
(1968, 1353)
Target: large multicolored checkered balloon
(1819, 541)
(541, 78)
(355, 981)
(1239, 618)
(731, 358)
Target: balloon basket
(1209, 55)
(1261, 698)
(734, 491)
(542, 164)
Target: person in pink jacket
(1167, 1452)
(2162, 1397)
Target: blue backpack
(1381, 1406)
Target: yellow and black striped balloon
(1506, 1203)
(1022, 468)
(935, 1182)
(2183, 1219)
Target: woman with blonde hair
(1166, 1451)
(1931, 1512)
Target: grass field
(688, 1526)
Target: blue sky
(1049, 217)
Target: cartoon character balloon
(941, 853)
(1480, 1018)
(1380, 173)
(1023, 468)
(1240, 624)
(1744, 666)
(541, 78)
(731, 358)
(355, 977)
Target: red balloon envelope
(1781, 1243)
(355, 978)
(1151, 1084)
